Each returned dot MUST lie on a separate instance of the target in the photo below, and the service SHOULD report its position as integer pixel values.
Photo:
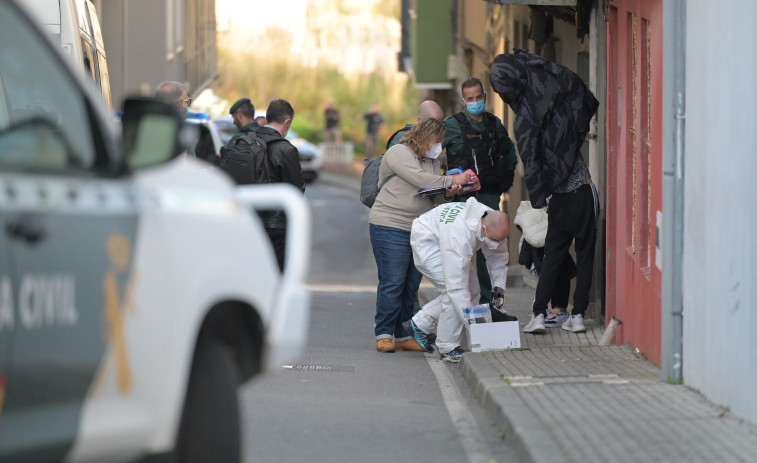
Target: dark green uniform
(398, 136)
(453, 139)
(251, 127)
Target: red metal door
(634, 170)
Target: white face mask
(488, 242)
(434, 151)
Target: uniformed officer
(243, 112)
(477, 140)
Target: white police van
(74, 25)
(136, 290)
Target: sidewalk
(563, 397)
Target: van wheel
(210, 427)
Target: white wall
(720, 212)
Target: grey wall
(720, 207)
(135, 40)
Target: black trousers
(572, 216)
(278, 238)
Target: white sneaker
(555, 319)
(536, 325)
(574, 323)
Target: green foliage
(263, 75)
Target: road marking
(341, 288)
(467, 428)
(350, 288)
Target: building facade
(150, 41)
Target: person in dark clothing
(373, 121)
(205, 149)
(333, 132)
(243, 112)
(553, 110)
(477, 140)
(531, 257)
(284, 165)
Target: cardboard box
(499, 335)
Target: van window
(96, 32)
(40, 89)
(81, 10)
(102, 65)
(101, 68)
(88, 56)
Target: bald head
(430, 109)
(497, 225)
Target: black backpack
(369, 185)
(246, 161)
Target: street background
(562, 397)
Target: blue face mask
(477, 107)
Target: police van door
(6, 311)
(69, 230)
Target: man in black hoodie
(284, 166)
(553, 109)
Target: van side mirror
(150, 132)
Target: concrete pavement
(565, 397)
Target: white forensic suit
(444, 241)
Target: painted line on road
(341, 289)
(350, 288)
(467, 427)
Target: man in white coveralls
(444, 240)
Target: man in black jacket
(284, 165)
(553, 109)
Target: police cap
(239, 103)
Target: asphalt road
(344, 402)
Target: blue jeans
(399, 280)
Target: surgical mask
(477, 107)
(488, 242)
(434, 151)
(491, 244)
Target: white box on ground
(498, 335)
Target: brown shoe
(385, 345)
(409, 344)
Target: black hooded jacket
(553, 109)
(284, 165)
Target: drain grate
(343, 368)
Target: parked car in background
(208, 142)
(137, 289)
(226, 128)
(311, 156)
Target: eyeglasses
(188, 101)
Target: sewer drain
(346, 368)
